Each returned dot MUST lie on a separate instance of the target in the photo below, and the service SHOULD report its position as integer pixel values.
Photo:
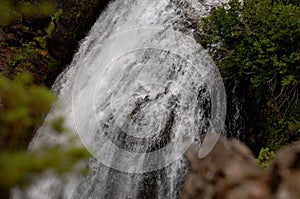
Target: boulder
(230, 171)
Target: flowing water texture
(139, 92)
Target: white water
(139, 81)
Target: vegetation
(24, 103)
(257, 43)
(42, 36)
(22, 106)
(37, 39)
(265, 157)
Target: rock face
(45, 44)
(75, 21)
(230, 171)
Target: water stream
(139, 91)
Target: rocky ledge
(230, 171)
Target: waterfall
(139, 91)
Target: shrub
(258, 43)
(22, 107)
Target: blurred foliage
(13, 10)
(258, 43)
(22, 107)
(30, 28)
(266, 157)
(17, 168)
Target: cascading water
(139, 91)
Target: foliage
(266, 157)
(22, 106)
(258, 43)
